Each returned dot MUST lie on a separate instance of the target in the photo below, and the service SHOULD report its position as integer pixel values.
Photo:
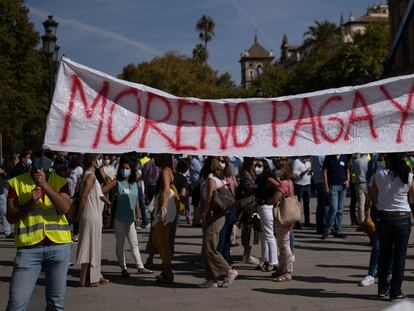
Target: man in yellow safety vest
(36, 205)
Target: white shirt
(73, 178)
(392, 192)
(109, 171)
(300, 166)
(219, 184)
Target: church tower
(252, 63)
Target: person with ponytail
(393, 190)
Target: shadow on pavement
(314, 292)
(332, 249)
(321, 279)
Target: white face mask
(258, 170)
(98, 163)
(29, 162)
(222, 165)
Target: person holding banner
(166, 214)
(213, 220)
(126, 210)
(90, 226)
(36, 204)
(265, 190)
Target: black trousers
(393, 232)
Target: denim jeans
(28, 264)
(353, 204)
(393, 234)
(225, 234)
(374, 257)
(303, 192)
(320, 208)
(334, 207)
(142, 206)
(3, 211)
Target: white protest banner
(94, 112)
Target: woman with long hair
(165, 215)
(224, 243)
(284, 188)
(126, 210)
(264, 193)
(393, 190)
(248, 209)
(213, 221)
(90, 226)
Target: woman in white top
(213, 221)
(393, 189)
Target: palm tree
(200, 53)
(321, 35)
(205, 25)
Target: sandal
(103, 281)
(283, 278)
(144, 270)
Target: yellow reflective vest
(43, 219)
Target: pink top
(286, 188)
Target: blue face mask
(125, 173)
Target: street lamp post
(51, 50)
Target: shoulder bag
(287, 209)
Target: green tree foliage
(322, 35)
(205, 26)
(181, 76)
(23, 91)
(330, 63)
(200, 53)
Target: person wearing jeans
(336, 180)
(37, 205)
(3, 211)
(317, 172)
(393, 189)
(302, 173)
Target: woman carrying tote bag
(286, 258)
(213, 219)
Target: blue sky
(109, 34)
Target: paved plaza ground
(326, 277)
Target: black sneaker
(340, 235)
(324, 236)
(382, 293)
(398, 297)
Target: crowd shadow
(321, 279)
(314, 293)
(332, 249)
(6, 263)
(353, 267)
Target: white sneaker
(208, 284)
(367, 281)
(252, 260)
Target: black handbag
(223, 199)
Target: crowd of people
(54, 199)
